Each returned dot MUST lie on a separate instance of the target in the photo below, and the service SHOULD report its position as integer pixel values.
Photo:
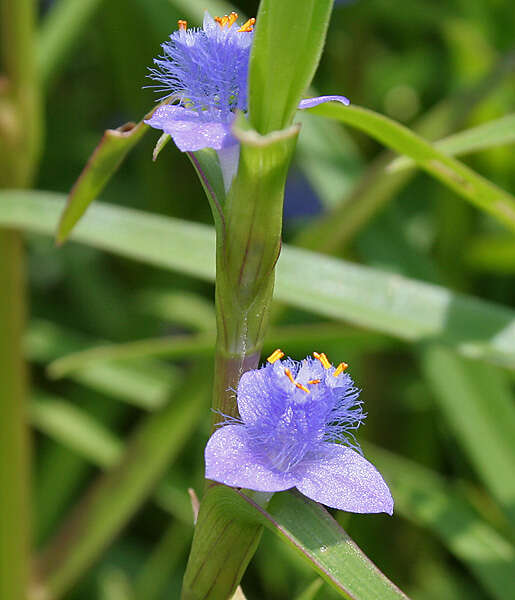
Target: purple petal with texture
(343, 479)
(254, 394)
(189, 130)
(231, 461)
(311, 102)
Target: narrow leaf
(287, 46)
(147, 384)
(309, 529)
(326, 286)
(463, 180)
(75, 429)
(478, 405)
(488, 135)
(292, 336)
(112, 501)
(101, 166)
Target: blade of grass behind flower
(478, 405)
(146, 385)
(98, 518)
(391, 304)
(424, 498)
(460, 178)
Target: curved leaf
(466, 182)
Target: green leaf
(101, 166)
(75, 429)
(494, 133)
(116, 496)
(309, 529)
(288, 43)
(478, 405)
(147, 385)
(292, 337)
(391, 304)
(222, 547)
(424, 498)
(463, 180)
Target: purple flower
(296, 430)
(205, 72)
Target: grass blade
(363, 296)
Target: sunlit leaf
(333, 288)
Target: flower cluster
(205, 71)
(296, 430)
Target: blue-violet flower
(296, 430)
(205, 71)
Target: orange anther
(288, 374)
(313, 381)
(340, 369)
(182, 24)
(248, 26)
(222, 21)
(275, 356)
(233, 17)
(323, 359)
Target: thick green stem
(247, 251)
(14, 462)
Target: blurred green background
(436, 66)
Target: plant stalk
(19, 149)
(14, 446)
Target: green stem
(20, 116)
(14, 453)
(19, 144)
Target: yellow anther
(222, 21)
(275, 356)
(233, 17)
(313, 381)
(303, 388)
(340, 369)
(182, 24)
(323, 359)
(248, 26)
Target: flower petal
(230, 460)
(254, 394)
(311, 102)
(189, 130)
(343, 479)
